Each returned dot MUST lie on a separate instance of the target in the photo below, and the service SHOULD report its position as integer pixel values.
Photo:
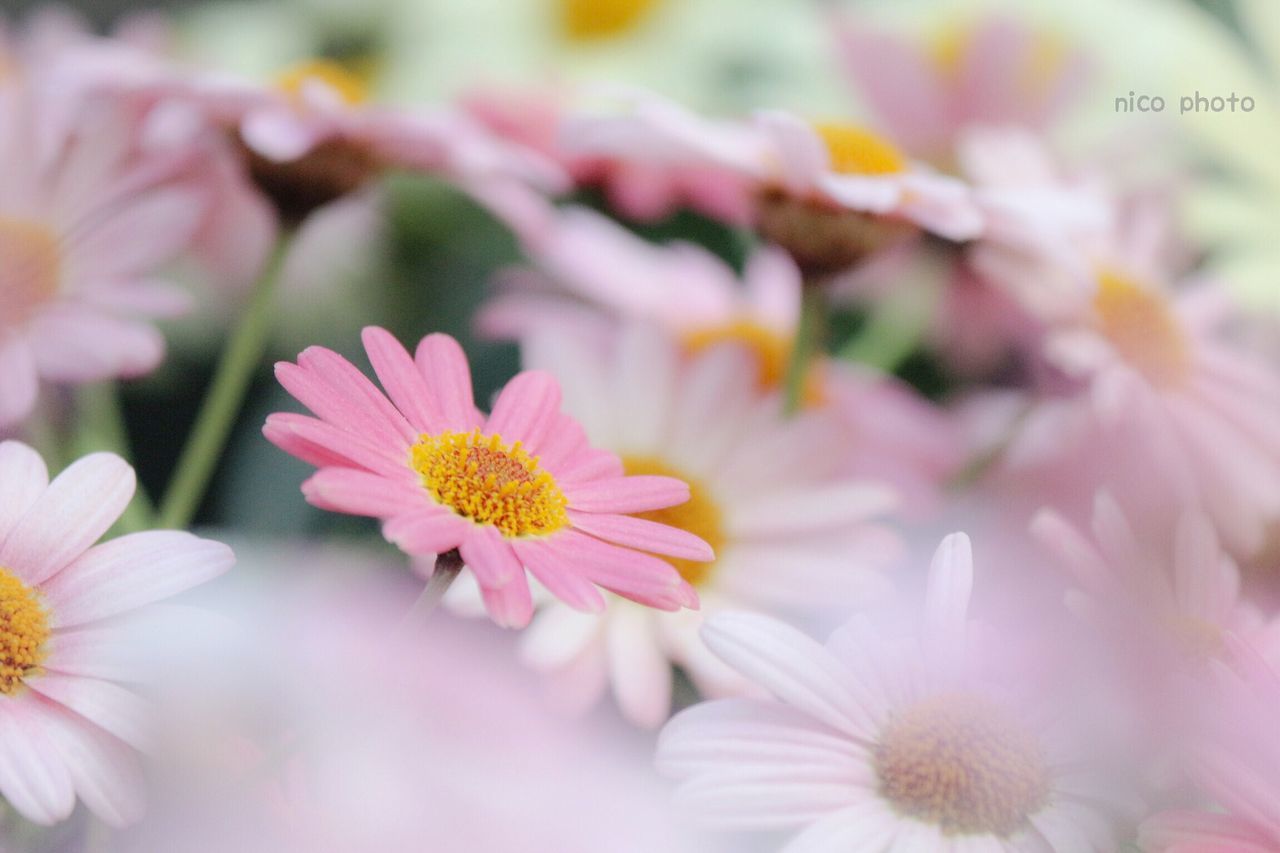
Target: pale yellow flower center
(24, 631)
(700, 515)
(961, 763)
(351, 88)
(488, 481)
(1141, 326)
(30, 267)
(772, 352)
(857, 151)
(592, 20)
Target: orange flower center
(700, 515)
(30, 267)
(594, 20)
(482, 478)
(959, 762)
(24, 631)
(857, 151)
(771, 350)
(1142, 328)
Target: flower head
(880, 743)
(68, 726)
(791, 534)
(520, 489)
(87, 221)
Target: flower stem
(809, 333)
(448, 567)
(225, 397)
(893, 330)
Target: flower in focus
(85, 227)
(791, 536)
(520, 489)
(69, 726)
(872, 743)
(995, 71)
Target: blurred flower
(1181, 591)
(68, 724)
(791, 536)
(1237, 767)
(87, 219)
(519, 489)
(592, 274)
(994, 70)
(308, 723)
(873, 742)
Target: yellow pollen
(1142, 327)
(772, 352)
(30, 267)
(351, 88)
(594, 20)
(700, 515)
(949, 46)
(24, 630)
(482, 478)
(959, 762)
(857, 151)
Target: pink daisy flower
(992, 71)
(593, 273)
(1181, 590)
(1238, 769)
(520, 489)
(791, 535)
(876, 743)
(67, 726)
(85, 227)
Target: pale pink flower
(791, 536)
(993, 71)
(86, 224)
(1237, 768)
(68, 726)
(593, 273)
(874, 742)
(520, 489)
(1179, 592)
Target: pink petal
(279, 431)
(79, 345)
(641, 673)
(401, 379)
(626, 494)
(23, 478)
(363, 493)
(444, 367)
(526, 409)
(643, 534)
(131, 571)
(73, 513)
(108, 705)
(106, 774)
(570, 587)
(432, 530)
(487, 553)
(949, 588)
(510, 605)
(355, 450)
(631, 574)
(18, 382)
(33, 777)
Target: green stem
(893, 330)
(226, 395)
(809, 334)
(101, 427)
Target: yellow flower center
(24, 630)
(594, 20)
(857, 151)
(351, 88)
(1142, 328)
(700, 515)
(772, 352)
(482, 478)
(30, 267)
(959, 762)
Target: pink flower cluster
(766, 363)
